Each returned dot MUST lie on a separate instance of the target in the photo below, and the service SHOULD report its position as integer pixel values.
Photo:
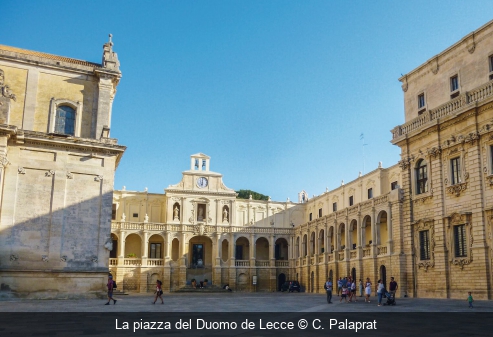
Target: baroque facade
(57, 172)
(427, 221)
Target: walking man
(328, 286)
(110, 290)
(393, 286)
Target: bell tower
(199, 162)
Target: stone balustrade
(366, 252)
(155, 262)
(242, 263)
(282, 263)
(262, 263)
(382, 250)
(478, 94)
(113, 262)
(131, 261)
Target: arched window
(65, 120)
(421, 177)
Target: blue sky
(276, 92)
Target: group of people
(346, 289)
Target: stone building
(57, 171)
(447, 171)
(199, 230)
(427, 221)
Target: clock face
(202, 182)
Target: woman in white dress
(367, 290)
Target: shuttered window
(424, 245)
(455, 166)
(460, 241)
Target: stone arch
(262, 248)
(353, 234)
(133, 246)
(312, 243)
(331, 240)
(382, 228)
(366, 236)
(281, 249)
(342, 236)
(242, 282)
(242, 248)
(175, 249)
(224, 249)
(383, 275)
(156, 247)
(321, 241)
(200, 252)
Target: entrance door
(353, 274)
(280, 281)
(198, 255)
(383, 275)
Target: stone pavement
(240, 302)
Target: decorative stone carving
(70, 175)
(419, 226)
(4, 161)
(21, 170)
(225, 214)
(176, 213)
(434, 66)
(110, 58)
(434, 151)
(124, 217)
(94, 259)
(471, 45)
(63, 258)
(14, 257)
(404, 163)
(6, 96)
(98, 178)
(490, 180)
(50, 173)
(457, 189)
(44, 258)
(460, 219)
(146, 218)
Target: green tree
(245, 194)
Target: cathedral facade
(57, 171)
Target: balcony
(382, 250)
(282, 263)
(155, 262)
(460, 103)
(113, 262)
(353, 254)
(367, 252)
(262, 263)
(340, 256)
(242, 263)
(132, 262)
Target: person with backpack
(111, 285)
(328, 289)
(159, 292)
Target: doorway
(280, 281)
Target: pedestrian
(367, 290)
(159, 292)
(353, 291)
(344, 294)
(380, 289)
(110, 290)
(328, 288)
(470, 300)
(393, 286)
(339, 286)
(360, 288)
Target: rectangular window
(491, 67)
(113, 212)
(155, 252)
(455, 170)
(424, 245)
(351, 201)
(311, 217)
(421, 101)
(454, 86)
(393, 185)
(334, 207)
(370, 193)
(135, 215)
(460, 241)
(319, 212)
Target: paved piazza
(239, 302)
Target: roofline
(455, 45)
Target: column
(390, 240)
